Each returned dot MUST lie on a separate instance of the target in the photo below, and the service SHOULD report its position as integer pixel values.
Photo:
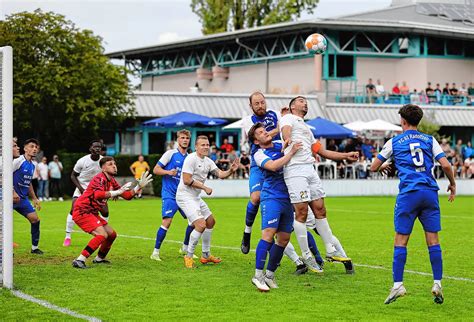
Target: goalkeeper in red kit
(86, 210)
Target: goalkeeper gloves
(125, 187)
(145, 179)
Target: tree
(228, 15)
(65, 89)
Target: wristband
(136, 188)
(115, 193)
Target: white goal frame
(6, 167)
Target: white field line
(360, 265)
(54, 307)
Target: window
(454, 47)
(435, 46)
(340, 66)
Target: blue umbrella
(184, 119)
(328, 129)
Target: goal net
(6, 175)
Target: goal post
(6, 166)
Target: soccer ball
(316, 44)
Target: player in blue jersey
(269, 119)
(277, 211)
(413, 154)
(23, 169)
(169, 166)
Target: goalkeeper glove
(145, 179)
(125, 187)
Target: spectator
(453, 90)
(462, 90)
(457, 162)
(396, 89)
(437, 92)
(226, 146)
(43, 179)
(469, 167)
(414, 97)
(404, 89)
(446, 89)
(429, 90)
(138, 168)
(361, 168)
(470, 90)
(232, 157)
(467, 150)
(379, 88)
(332, 146)
(423, 97)
(213, 154)
(244, 164)
(368, 149)
(55, 168)
(370, 91)
(223, 161)
(447, 149)
(438, 89)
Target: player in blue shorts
(413, 154)
(269, 119)
(277, 211)
(169, 166)
(23, 169)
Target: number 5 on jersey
(417, 154)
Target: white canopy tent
(375, 125)
(234, 126)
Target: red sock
(105, 247)
(94, 243)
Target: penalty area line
(455, 278)
(53, 307)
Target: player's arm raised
(225, 174)
(275, 165)
(189, 181)
(333, 155)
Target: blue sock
(35, 233)
(313, 248)
(189, 230)
(436, 261)
(160, 236)
(251, 213)
(276, 253)
(399, 260)
(261, 253)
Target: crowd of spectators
(431, 95)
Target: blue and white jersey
(273, 184)
(171, 159)
(270, 121)
(22, 175)
(413, 153)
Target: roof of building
(442, 115)
(405, 18)
(228, 106)
(235, 106)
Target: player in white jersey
(304, 185)
(84, 170)
(194, 172)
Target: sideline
(465, 279)
(53, 307)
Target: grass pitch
(134, 287)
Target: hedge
(123, 166)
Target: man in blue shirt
(277, 211)
(413, 154)
(23, 169)
(169, 166)
(269, 119)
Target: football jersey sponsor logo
(168, 211)
(272, 221)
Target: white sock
(248, 229)
(156, 251)
(397, 284)
(258, 272)
(269, 274)
(338, 246)
(291, 253)
(98, 259)
(325, 232)
(184, 248)
(69, 225)
(193, 240)
(34, 247)
(81, 258)
(302, 237)
(437, 282)
(206, 240)
(105, 218)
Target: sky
(127, 24)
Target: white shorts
(194, 208)
(77, 193)
(303, 183)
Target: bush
(123, 169)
